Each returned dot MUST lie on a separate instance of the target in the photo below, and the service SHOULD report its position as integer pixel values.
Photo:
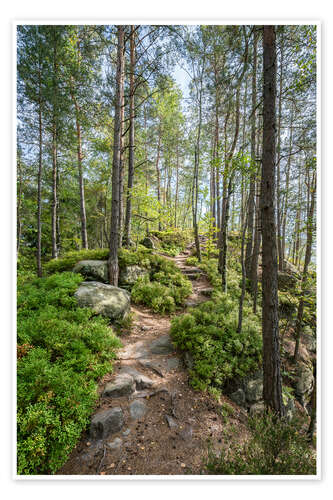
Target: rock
(309, 339)
(127, 432)
(106, 300)
(172, 363)
(238, 397)
(290, 409)
(186, 434)
(141, 381)
(155, 366)
(134, 351)
(116, 444)
(93, 270)
(162, 345)
(192, 276)
(191, 303)
(257, 409)
(286, 281)
(138, 409)
(304, 382)
(123, 385)
(106, 422)
(171, 422)
(254, 390)
(188, 360)
(131, 274)
(147, 242)
(145, 328)
(207, 292)
(291, 269)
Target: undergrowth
(62, 351)
(275, 447)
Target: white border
(165, 21)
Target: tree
(272, 391)
(117, 146)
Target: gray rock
(186, 434)
(93, 270)
(134, 351)
(173, 363)
(130, 275)
(127, 432)
(106, 300)
(138, 409)
(156, 366)
(116, 444)
(141, 381)
(238, 397)
(162, 345)
(188, 360)
(290, 268)
(304, 381)
(207, 292)
(290, 409)
(123, 385)
(106, 422)
(254, 390)
(171, 422)
(309, 339)
(147, 242)
(257, 409)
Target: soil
(151, 445)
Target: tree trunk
(158, 176)
(131, 158)
(121, 172)
(114, 230)
(272, 391)
(19, 203)
(39, 189)
(54, 156)
(249, 244)
(309, 238)
(278, 190)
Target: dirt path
(165, 424)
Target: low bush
(62, 351)
(192, 261)
(164, 289)
(276, 447)
(209, 333)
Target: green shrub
(192, 261)
(276, 447)
(209, 333)
(68, 261)
(67, 349)
(174, 238)
(164, 289)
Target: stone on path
(106, 422)
(162, 345)
(134, 351)
(107, 300)
(123, 385)
(155, 366)
(116, 444)
(172, 363)
(171, 421)
(141, 380)
(138, 409)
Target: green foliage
(276, 447)
(192, 261)
(209, 333)
(164, 289)
(68, 261)
(69, 349)
(173, 241)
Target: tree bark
(272, 390)
(114, 230)
(54, 154)
(131, 153)
(39, 186)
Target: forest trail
(167, 425)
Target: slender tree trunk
(114, 230)
(158, 176)
(242, 295)
(312, 425)
(121, 173)
(19, 203)
(177, 182)
(249, 244)
(309, 238)
(39, 189)
(278, 188)
(272, 391)
(54, 156)
(256, 250)
(131, 158)
(286, 195)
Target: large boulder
(107, 300)
(304, 382)
(130, 275)
(148, 242)
(93, 270)
(286, 281)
